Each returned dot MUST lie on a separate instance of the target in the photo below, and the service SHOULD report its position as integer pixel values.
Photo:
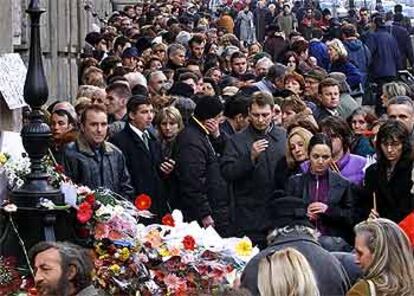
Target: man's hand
(258, 147)
(316, 208)
(208, 221)
(167, 166)
(213, 126)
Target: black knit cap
(289, 211)
(208, 107)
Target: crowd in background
(267, 119)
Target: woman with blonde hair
(169, 123)
(385, 255)
(297, 148)
(287, 273)
(393, 89)
(340, 63)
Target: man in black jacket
(143, 153)
(292, 229)
(202, 190)
(93, 162)
(248, 163)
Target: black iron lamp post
(35, 223)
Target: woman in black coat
(328, 195)
(391, 177)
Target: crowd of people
(267, 119)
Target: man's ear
(72, 271)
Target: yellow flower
(124, 254)
(244, 248)
(164, 252)
(3, 159)
(115, 268)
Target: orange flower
(143, 202)
(168, 220)
(189, 242)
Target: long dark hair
(393, 130)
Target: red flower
(84, 213)
(143, 202)
(189, 243)
(168, 220)
(90, 199)
(83, 232)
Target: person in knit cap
(202, 192)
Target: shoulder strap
(371, 288)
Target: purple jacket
(350, 165)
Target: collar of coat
(198, 123)
(85, 148)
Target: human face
(155, 65)
(311, 87)
(239, 66)
(291, 64)
(208, 89)
(197, 50)
(95, 127)
(216, 75)
(102, 45)
(364, 16)
(359, 124)
(287, 115)
(169, 128)
(320, 157)
(129, 62)
(330, 97)
(297, 148)
(115, 102)
(392, 150)
(294, 86)
(178, 58)
(261, 70)
(140, 66)
(333, 54)
(156, 83)
(254, 49)
(60, 125)
(191, 83)
(260, 116)
(48, 273)
(160, 53)
(403, 113)
(363, 256)
(384, 99)
(142, 117)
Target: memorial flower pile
(130, 258)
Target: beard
(61, 288)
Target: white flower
(19, 183)
(118, 210)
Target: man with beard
(62, 269)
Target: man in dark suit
(143, 153)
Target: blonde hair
(170, 113)
(305, 135)
(392, 268)
(287, 273)
(339, 47)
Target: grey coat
(105, 169)
(329, 273)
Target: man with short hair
(63, 127)
(117, 95)
(202, 189)
(62, 268)
(196, 46)
(143, 153)
(249, 163)
(329, 98)
(402, 109)
(236, 113)
(157, 83)
(130, 59)
(93, 162)
(176, 56)
(291, 228)
(238, 63)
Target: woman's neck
(338, 155)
